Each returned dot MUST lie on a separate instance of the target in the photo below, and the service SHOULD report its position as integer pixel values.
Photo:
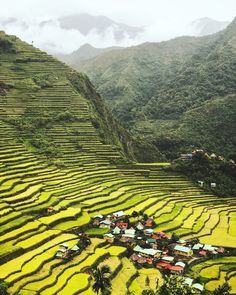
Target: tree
(174, 285)
(101, 278)
(148, 292)
(3, 288)
(135, 214)
(223, 290)
(174, 237)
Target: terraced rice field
(88, 183)
(216, 272)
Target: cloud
(162, 19)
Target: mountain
(64, 162)
(178, 94)
(207, 26)
(85, 51)
(85, 23)
(44, 74)
(75, 30)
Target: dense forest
(176, 95)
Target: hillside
(85, 52)
(62, 162)
(161, 91)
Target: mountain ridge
(159, 82)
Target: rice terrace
(74, 198)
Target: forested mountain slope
(38, 92)
(85, 52)
(177, 94)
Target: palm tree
(101, 278)
(3, 288)
(223, 290)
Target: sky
(161, 19)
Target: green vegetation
(3, 288)
(101, 277)
(48, 201)
(175, 95)
(210, 170)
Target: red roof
(203, 252)
(163, 265)
(148, 223)
(122, 224)
(176, 268)
(160, 235)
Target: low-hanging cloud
(161, 20)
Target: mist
(158, 20)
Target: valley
(63, 160)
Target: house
(160, 235)
(126, 238)
(96, 219)
(182, 242)
(188, 281)
(130, 232)
(147, 252)
(213, 156)
(139, 226)
(105, 224)
(64, 245)
(163, 265)
(197, 247)
(176, 269)
(180, 263)
(148, 231)
(75, 248)
(59, 255)
(50, 209)
(203, 253)
(122, 225)
(119, 214)
(220, 250)
(116, 230)
(186, 156)
(138, 258)
(200, 183)
(61, 250)
(198, 287)
(213, 184)
(183, 251)
(151, 241)
(109, 238)
(149, 222)
(99, 216)
(167, 259)
(209, 248)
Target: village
(150, 249)
(146, 248)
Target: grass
(119, 283)
(139, 283)
(97, 231)
(15, 265)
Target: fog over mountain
(206, 26)
(61, 27)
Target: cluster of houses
(213, 156)
(64, 251)
(148, 248)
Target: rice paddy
(89, 182)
